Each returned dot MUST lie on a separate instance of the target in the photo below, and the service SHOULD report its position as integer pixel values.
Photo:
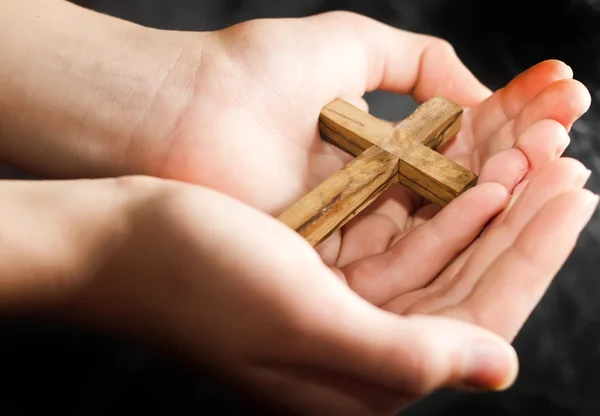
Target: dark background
(49, 368)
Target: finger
(415, 355)
(424, 214)
(418, 257)
(370, 231)
(506, 168)
(328, 249)
(506, 103)
(358, 102)
(514, 198)
(401, 305)
(368, 236)
(430, 297)
(562, 176)
(564, 101)
(521, 275)
(374, 56)
(541, 143)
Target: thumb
(418, 354)
(370, 55)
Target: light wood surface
(384, 154)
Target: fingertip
(461, 354)
(542, 142)
(490, 364)
(495, 191)
(506, 168)
(564, 173)
(589, 204)
(456, 82)
(556, 67)
(425, 213)
(486, 196)
(512, 369)
(569, 71)
(476, 207)
(567, 101)
(513, 199)
(553, 69)
(358, 102)
(569, 167)
(475, 91)
(582, 96)
(559, 176)
(540, 75)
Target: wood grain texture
(342, 196)
(431, 125)
(439, 175)
(350, 128)
(384, 155)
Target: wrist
(84, 87)
(101, 253)
(127, 281)
(58, 236)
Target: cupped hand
(402, 301)
(238, 291)
(377, 319)
(249, 124)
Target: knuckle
(350, 23)
(136, 189)
(446, 47)
(424, 369)
(441, 45)
(248, 26)
(419, 368)
(134, 182)
(345, 16)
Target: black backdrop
(52, 368)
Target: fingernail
(582, 177)
(571, 71)
(563, 146)
(490, 365)
(591, 204)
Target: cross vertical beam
(384, 155)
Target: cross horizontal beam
(429, 173)
(384, 155)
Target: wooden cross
(384, 155)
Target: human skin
(396, 305)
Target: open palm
(250, 130)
